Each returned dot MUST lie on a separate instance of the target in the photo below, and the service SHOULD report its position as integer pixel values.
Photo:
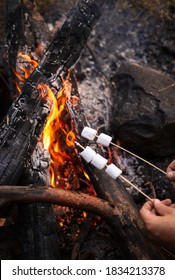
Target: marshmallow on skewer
(104, 139)
(88, 154)
(99, 162)
(113, 171)
(88, 133)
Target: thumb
(161, 208)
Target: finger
(146, 210)
(148, 205)
(161, 209)
(167, 201)
(153, 211)
(171, 175)
(171, 166)
(172, 205)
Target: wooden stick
(115, 145)
(135, 187)
(123, 178)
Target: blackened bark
(19, 36)
(19, 133)
(5, 90)
(5, 96)
(36, 224)
(36, 221)
(25, 28)
(2, 27)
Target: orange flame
(24, 71)
(56, 129)
(57, 136)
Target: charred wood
(2, 27)
(5, 96)
(19, 36)
(38, 237)
(36, 223)
(42, 33)
(29, 111)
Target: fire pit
(40, 163)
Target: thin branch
(26, 194)
(112, 213)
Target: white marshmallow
(113, 171)
(99, 161)
(104, 139)
(88, 133)
(88, 154)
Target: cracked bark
(25, 120)
(38, 237)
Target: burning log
(20, 131)
(38, 239)
(17, 114)
(26, 31)
(20, 36)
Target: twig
(139, 157)
(135, 187)
(172, 85)
(126, 180)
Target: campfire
(43, 173)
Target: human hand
(171, 173)
(159, 219)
